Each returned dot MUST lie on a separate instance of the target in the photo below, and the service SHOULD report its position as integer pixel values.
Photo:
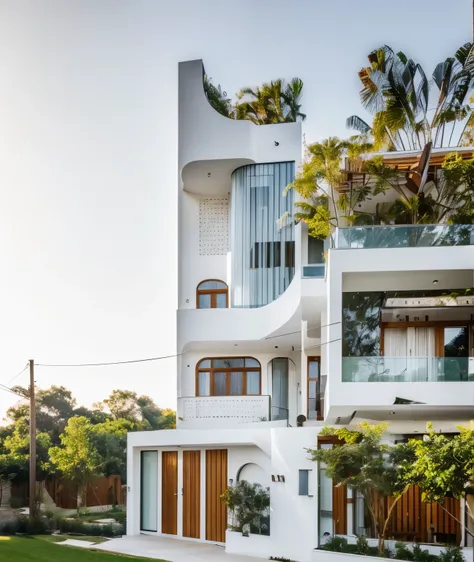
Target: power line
(320, 344)
(16, 376)
(105, 364)
(298, 331)
(8, 389)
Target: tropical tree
(396, 91)
(77, 458)
(110, 440)
(319, 182)
(364, 464)
(218, 98)
(442, 466)
(273, 102)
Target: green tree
(364, 464)
(139, 410)
(77, 458)
(110, 440)
(396, 91)
(273, 102)
(442, 466)
(15, 453)
(249, 504)
(319, 182)
(217, 98)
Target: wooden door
(192, 494)
(339, 509)
(216, 483)
(169, 493)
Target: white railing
(242, 408)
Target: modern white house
(275, 338)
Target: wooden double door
(216, 483)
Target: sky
(88, 156)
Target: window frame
(228, 370)
(212, 293)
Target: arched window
(228, 376)
(212, 294)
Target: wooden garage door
(169, 493)
(191, 494)
(216, 483)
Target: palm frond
(357, 124)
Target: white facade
(268, 313)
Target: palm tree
(272, 102)
(218, 98)
(396, 91)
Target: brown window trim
(438, 325)
(243, 370)
(319, 416)
(212, 293)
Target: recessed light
(276, 347)
(435, 282)
(236, 344)
(392, 413)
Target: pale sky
(88, 155)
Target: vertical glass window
(262, 233)
(236, 383)
(220, 387)
(314, 390)
(149, 491)
(204, 383)
(280, 403)
(303, 483)
(253, 382)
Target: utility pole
(32, 441)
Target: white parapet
(239, 408)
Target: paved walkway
(174, 550)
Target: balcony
(245, 409)
(404, 236)
(407, 369)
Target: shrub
(71, 527)
(422, 555)
(336, 544)
(451, 554)
(119, 516)
(23, 525)
(249, 505)
(362, 546)
(402, 552)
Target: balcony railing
(406, 236)
(407, 369)
(316, 271)
(239, 408)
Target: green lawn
(35, 549)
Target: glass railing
(407, 369)
(316, 270)
(406, 236)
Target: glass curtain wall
(262, 233)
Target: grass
(35, 549)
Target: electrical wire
(298, 331)
(105, 364)
(8, 389)
(319, 344)
(16, 376)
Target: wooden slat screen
(216, 483)
(339, 509)
(169, 493)
(191, 494)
